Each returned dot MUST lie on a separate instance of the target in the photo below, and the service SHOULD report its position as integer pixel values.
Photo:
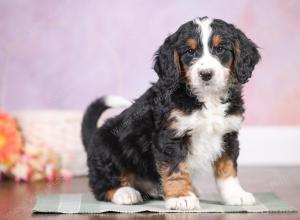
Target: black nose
(206, 75)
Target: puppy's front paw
(240, 197)
(127, 196)
(183, 203)
(233, 194)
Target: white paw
(239, 198)
(233, 194)
(127, 196)
(183, 203)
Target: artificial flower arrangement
(25, 162)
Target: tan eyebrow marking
(192, 43)
(216, 40)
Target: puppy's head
(208, 55)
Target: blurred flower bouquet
(22, 161)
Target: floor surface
(17, 200)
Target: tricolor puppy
(186, 122)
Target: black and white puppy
(184, 123)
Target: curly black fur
(140, 137)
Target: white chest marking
(206, 127)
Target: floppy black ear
(246, 57)
(166, 62)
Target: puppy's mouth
(206, 84)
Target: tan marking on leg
(110, 194)
(224, 167)
(124, 181)
(176, 183)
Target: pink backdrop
(62, 54)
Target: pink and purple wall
(59, 54)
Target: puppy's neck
(213, 97)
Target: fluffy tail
(94, 111)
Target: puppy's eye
(220, 50)
(190, 51)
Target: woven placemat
(210, 203)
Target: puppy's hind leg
(106, 179)
(109, 184)
(125, 195)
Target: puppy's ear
(246, 57)
(166, 62)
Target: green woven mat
(85, 203)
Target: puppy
(184, 123)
